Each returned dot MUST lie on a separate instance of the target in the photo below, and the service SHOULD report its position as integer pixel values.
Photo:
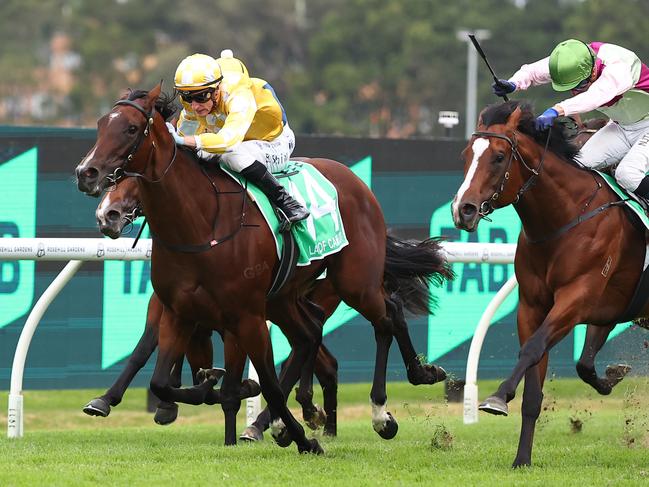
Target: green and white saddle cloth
(322, 233)
(631, 203)
(629, 198)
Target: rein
(214, 241)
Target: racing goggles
(202, 96)
(583, 84)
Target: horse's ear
(480, 122)
(125, 94)
(155, 93)
(514, 119)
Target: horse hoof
(211, 375)
(166, 415)
(494, 405)
(330, 430)
(312, 447)
(317, 419)
(617, 372)
(252, 434)
(249, 388)
(280, 433)
(389, 429)
(97, 407)
(426, 374)
(522, 462)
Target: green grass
(64, 447)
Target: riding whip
(476, 44)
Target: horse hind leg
(596, 336)
(418, 372)
(313, 414)
(326, 370)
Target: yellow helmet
(197, 72)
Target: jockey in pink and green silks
(606, 78)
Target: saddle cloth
(322, 233)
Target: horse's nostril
(90, 174)
(113, 216)
(468, 210)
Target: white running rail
(77, 250)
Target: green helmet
(571, 62)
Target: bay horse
(579, 256)
(185, 208)
(121, 206)
(119, 209)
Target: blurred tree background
(382, 68)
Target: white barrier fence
(76, 251)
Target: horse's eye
(132, 129)
(500, 157)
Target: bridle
(486, 207)
(120, 171)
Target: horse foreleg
(172, 343)
(167, 412)
(530, 411)
(231, 389)
(255, 340)
(596, 336)
(101, 405)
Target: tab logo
(127, 290)
(17, 219)
(462, 302)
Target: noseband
(486, 207)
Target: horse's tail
(410, 267)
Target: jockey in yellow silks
(239, 119)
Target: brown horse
(579, 256)
(119, 209)
(212, 283)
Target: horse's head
(491, 178)
(124, 135)
(118, 208)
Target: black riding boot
(643, 188)
(259, 175)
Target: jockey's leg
(632, 171)
(605, 148)
(255, 159)
(260, 176)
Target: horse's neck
(559, 194)
(182, 207)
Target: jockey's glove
(545, 120)
(501, 87)
(179, 139)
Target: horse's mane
(560, 144)
(164, 104)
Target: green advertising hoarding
(92, 327)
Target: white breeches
(625, 145)
(274, 154)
